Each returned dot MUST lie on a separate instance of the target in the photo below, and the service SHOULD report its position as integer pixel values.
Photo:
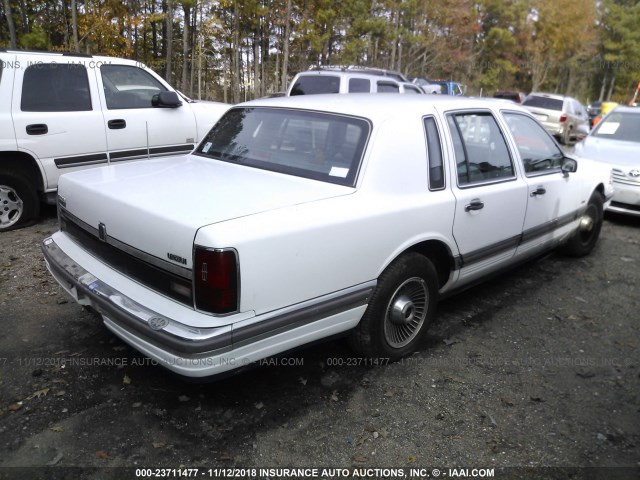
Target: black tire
(400, 310)
(584, 239)
(19, 202)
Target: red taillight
(563, 118)
(215, 278)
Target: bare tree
(285, 47)
(74, 25)
(169, 39)
(12, 27)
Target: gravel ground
(537, 368)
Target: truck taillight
(563, 118)
(215, 279)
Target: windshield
(623, 126)
(543, 102)
(306, 144)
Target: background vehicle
(615, 141)
(593, 110)
(559, 114)
(605, 107)
(517, 97)
(444, 87)
(65, 112)
(334, 80)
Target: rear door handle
(476, 204)
(37, 129)
(538, 191)
(117, 124)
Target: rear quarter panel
(302, 252)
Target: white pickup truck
(299, 218)
(65, 112)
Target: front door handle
(37, 129)
(117, 124)
(476, 204)
(538, 191)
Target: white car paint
(302, 244)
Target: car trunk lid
(156, 206)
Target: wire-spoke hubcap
(406, 312)
(10, 206)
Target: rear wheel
(586, 236)
(400, 310)
(18, 201)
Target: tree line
(232, 50)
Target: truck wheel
(18, 202)
(400, 310)
(586, 236)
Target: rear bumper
(202, 352)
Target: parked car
(297, 219)
(559, 114)
(605, 107)
(593, 110)
(427, 85)
(447, 87)
(517, 97)
(328, 80)
(65, 112)
(615, 142)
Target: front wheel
(18, 202)
(584, 239)
(400, 310)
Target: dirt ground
(537, 368)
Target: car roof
(381, 106)
(380, 72)
(347, 74)
(627, 109)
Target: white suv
(342, 80)
(65, 112)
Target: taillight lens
(215, 278)
(563, 118)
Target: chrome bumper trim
(177, 338)
(156, 328)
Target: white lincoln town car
(301, 218)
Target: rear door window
(55, 87)
(359, 85)
(481, 152)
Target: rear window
(311, 85)
(312, 145)
(359, 85)
(623, 126)
(543, 102)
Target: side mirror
(166, 100)
(569, 165)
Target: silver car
(616, 141)
(560, 115)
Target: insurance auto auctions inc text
(349, 473)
